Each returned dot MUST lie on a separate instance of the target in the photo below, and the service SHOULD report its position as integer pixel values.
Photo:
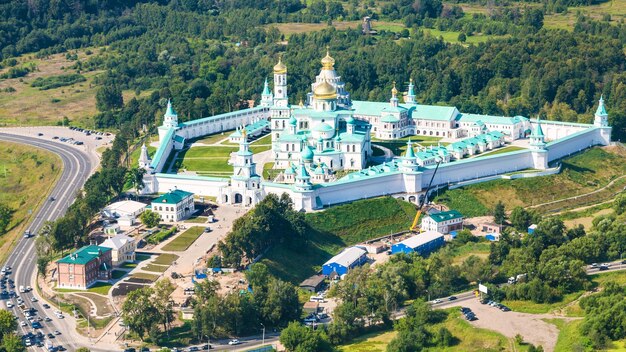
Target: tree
(6, 214)
(13, 343)
(83, 349)
(619, 203)
(162, 294)
(42, 265)
(139, 312)
(499, 215)
(7, 323)
(297, 337)
(134, 177)
(109, 97)
(150, 218)
(520, 219)
(462, 38)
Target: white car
(9, 304)
(233, 342)
(22, 323)
(33, 299)
(437, 301)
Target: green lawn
(214, 138)
(508, 149)
(155, 268)
(582, 173)
(146, 276)
(128, 265)
(165, 259)
(336, 228)
(99, 287)
(117, 274)
(184, 240)
(142, 257)
(398, 146)
(540, 308)
(134, 156)
(205, 152)
(197, 219)
(213, 164)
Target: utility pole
(263, 343)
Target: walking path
(580, 195)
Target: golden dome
(325, 90)
(394, 91)
(280, 67)
(328, 62)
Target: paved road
(77, 167)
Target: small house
(443, 222)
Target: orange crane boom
(421, 203)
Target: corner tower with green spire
(538, 147)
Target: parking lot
(509, 323)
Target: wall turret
(410, 95)
(601, 118)
(267, 99)
(170, 119)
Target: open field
(296, 28)
(184, 240)
(453, 36)
(336, 228)
(587, 220)
(26, 176)
(615, 8)
(580, 174)
(468, 338)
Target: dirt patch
(124, 289)
(139, 281)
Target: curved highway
(77, 166)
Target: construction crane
(421, 203)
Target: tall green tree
(6, 214)
(499, 214)
(109, 97)
(520, 219)
(150, 218)
(13, 343)
(140, 313)
(7, 323)
(134, 177)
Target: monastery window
(331, 164)
(293, 147)
(283, 124)
(353, 148)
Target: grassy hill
(581, 174)
(26, 176)
(333, 229)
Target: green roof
(179, 139)
(601, 111)
(174, 197)
(490, 119)
(84, 255)
(446, 215)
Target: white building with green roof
(324, 146)
(173, 206)
(443, 222)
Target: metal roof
(347, 257)
(174, 197)
(421, 239)
(446, 215)
(84, 255)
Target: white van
(317, 299)
(22, 289)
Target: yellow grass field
(27, 175)
(29, 106)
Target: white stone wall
(574, 144)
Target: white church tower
(538, 147)
(245, 184)
(267, 99)
(409, 98)
(144, 158)
(170, 119)
(601, 118)
(280, 111)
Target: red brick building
(83, 268)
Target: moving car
(451, 298)
(234, 342)
(437, 301)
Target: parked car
(451, 298)
(234, 342)
(437, 301)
